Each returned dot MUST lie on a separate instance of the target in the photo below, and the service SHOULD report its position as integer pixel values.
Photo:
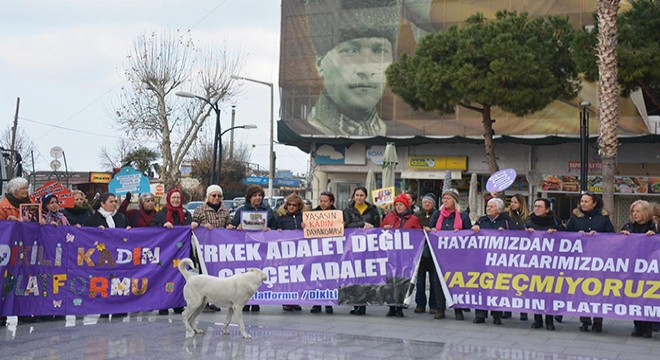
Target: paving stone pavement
(277, 334)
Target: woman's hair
(253, 190)
(546, 202)
(329, 194)
(524, 209)
(645, 208)
(148, 195)
(293, 198)
(16, 183)
(498, 202)
(362, 188)
(102, 198)
(595, 198)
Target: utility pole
(13, 139)
(231, 135)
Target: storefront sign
(376, 154)
(437, 162)
(592, 166)
(99, 178)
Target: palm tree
(608, 93)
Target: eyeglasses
(216, 196)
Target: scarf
(444, 213)
(16, 202)
(145, 217)
(546, 222)
(169, 217)
(56, 217)
(214, 207)
(108, 216)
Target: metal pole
(584, 150)
(66, 169)
(231, 136)
(271, 170)
(215, 177)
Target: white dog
(232, 292)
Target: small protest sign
(323, 223)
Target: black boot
(315, 309)
(398, 312)
(584, 327)
(329, 310)
(538, 322)
(549, 322)
(392, 311)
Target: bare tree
(159, 64)
(112, 158)
(24, 145)
(234, 168)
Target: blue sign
(286, 182)
(256, 180)
(128, 179)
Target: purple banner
(361, 267)
(49, 270)
(608, 275)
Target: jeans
(426, 265)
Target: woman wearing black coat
(173, 213)
(590, 218)
(641, 222)
(360, 214)
(449, 218)
(106, 215)
(543, 219)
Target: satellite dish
(534, 177)
(56, 152)
(55, 164)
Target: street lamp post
(217, 140)
(584, 148)
(271, 164)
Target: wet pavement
(277, 334)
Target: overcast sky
(65, 58)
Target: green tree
(638, 50)
(512, 62)
(141, 159)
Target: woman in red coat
(401, 218)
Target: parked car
(229, 204)
(191, 206)
(275, 203)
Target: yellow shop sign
(437, 162)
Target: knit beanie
(453, 193)
(213, 188)
(402, 198)
(432, 198)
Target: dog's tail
(183, 269)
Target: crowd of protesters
(588, 218)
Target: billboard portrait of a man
(354, 43)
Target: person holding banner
(106, 215)
(589, 218)
(495, 218)
(289, 217)
(10, 206)
(518, 211)
(173, 213)
(401, 218)
(141, 217)
(449, 218)
(17, 194)
(213, 213)
(254, 215)
(545, 220)
(326, 202)
(426, 265)
(360, 214)
(50, 211)
(80, 212)
(641, 222)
